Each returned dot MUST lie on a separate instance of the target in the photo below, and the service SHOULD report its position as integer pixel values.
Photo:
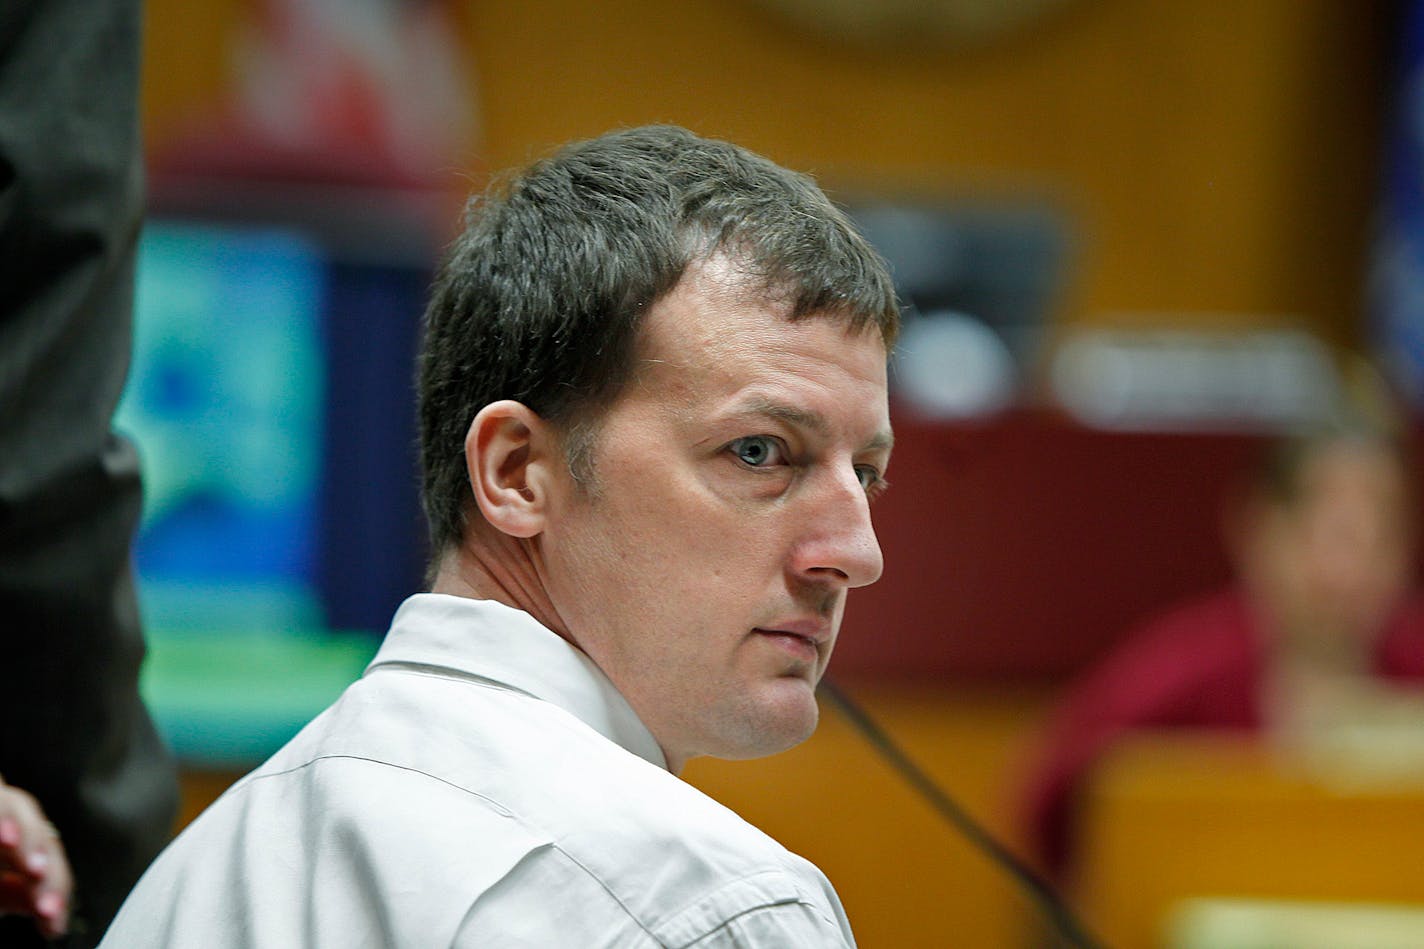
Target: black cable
(1049, 901)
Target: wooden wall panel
(1214, 156)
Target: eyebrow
(883, 440)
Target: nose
(838, 544)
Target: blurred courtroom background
(1136, 237)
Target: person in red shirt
(1321, 612)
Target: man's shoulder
(588, 812)
(540, 765)
(418, 807)
(679, 862)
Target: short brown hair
(540, 298)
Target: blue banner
(1397, 282)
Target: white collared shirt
(483, 784)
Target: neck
(1306, 638)
(490, 565)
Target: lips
(804, 639)
(814, 628)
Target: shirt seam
(500, 808)
(651, 929)
(722, 926)
(436, 671)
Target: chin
(781, 720)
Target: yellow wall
(1218, 155)
(1214, 156)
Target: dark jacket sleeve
(72, 729)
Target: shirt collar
(510, 648)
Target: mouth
(804, 646)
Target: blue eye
(758, 451)
(873, 483)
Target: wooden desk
(1172, 818)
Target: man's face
(705, 570)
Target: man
(1321, 621)
(653, 409)
(73, 732)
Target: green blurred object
(1272, 924)
(224, 700)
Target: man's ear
(511, 458)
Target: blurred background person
(1320, 614)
